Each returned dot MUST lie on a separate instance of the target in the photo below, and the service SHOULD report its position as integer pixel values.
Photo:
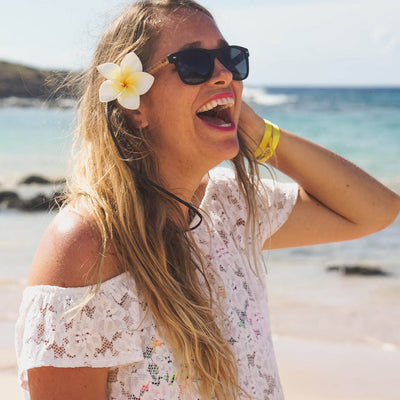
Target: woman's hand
(251, 126)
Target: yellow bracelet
(269, 142)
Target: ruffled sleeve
(57, 328)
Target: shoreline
(36, 102)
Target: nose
(221, 75)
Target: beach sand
(8, 375)
(310, 370)
(313, 370)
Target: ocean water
(363, 125)
(34, 140)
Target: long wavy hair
(145, 228)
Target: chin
(233, 153)
(230, 149)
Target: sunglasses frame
(212, 55)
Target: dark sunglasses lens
(235, 60)
(193, 66)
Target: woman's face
(183, 140)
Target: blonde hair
(164, 261)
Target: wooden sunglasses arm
(161, 64)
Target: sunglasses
(196, 66)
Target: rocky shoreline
(25, 86)
(357, 269)
(43, 194)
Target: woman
(147, 284)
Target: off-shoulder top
(114, 330)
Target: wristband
(269, 142)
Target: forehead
(187, 29)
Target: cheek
(169, 108)
(172, 106)
(159, 97)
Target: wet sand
(312, 370)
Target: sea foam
(262, 97)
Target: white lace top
(112, 329)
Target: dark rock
(7, 195)
(40, 202)
(37, 203)
(331, 268)
(363, 270)
(35, 179)
(9, 199)
(40, 180)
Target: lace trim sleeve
(275, 203)
(54, 329)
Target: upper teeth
(225, 102)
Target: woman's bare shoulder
(69, 253)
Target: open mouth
(217, 112)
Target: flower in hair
(126, 82)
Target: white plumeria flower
(126, 83)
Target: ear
(136, 118)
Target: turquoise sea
(362, 124)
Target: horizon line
(250, 84)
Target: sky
(291, 42)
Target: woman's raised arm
(337, 200)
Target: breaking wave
(261, 96)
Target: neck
(186, 182)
